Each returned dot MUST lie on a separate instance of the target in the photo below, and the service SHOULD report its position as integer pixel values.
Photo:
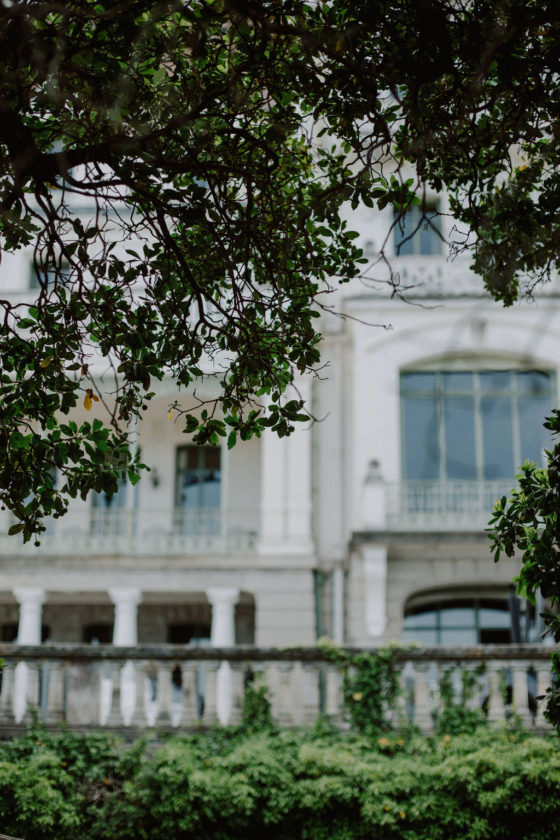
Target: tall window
(418, 232)
(473, 425)
(198, 477)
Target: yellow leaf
(94, 396)
(87, 401)
(46, 362)
(170, 416)
(339, 43)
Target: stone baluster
(310, 690)
(6, 692)
(110, 704)
(422, 701)
(210, 683)
(496, 709)
(277, 679)
(544, 679)
(333, 692)
(140, 716)
(400, 711)
(164, 683)
(520, 690)
(297, 692)
(189, 679)
(237, 692)
(55, 700)
(150, 694)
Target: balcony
(137, 531)
(183, 688)
(443, 505)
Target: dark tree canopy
(214, 143)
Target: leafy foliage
(257, 708)
(370, 687)
(281, 785)
(455, 716)
(529, 522)
(178, 171)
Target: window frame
(421, 219)
(438, 394)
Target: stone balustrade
(140, 532)
(184, 688)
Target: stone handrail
(183, 687)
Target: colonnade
(126, 601)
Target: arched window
(468, 620)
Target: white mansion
(364, 527)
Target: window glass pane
(418, 233)
(421, 438)
(460, 453)
(495, 380)
(198, 477)
(418, 382)
(421, 619)
(117, 500)
(210, 488)
(534, 382)
(429, 239)
(212, 457)
(458, 636)
(534, 437)
(404, 246)
(426, 637)
(461, 381)
(497, 437)
(489, 617)
(458, 617)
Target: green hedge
(231, 785)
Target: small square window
(418, 232)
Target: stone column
(126, 600)
(125, 634)
(31, 600)
(222, 634)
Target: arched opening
(468, 617)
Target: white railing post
(544, 680)
(520, 690)
(422, 701)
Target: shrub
(316, 785)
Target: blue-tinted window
(198, 477)
(418, 233)
(459, 621)
(469, 425)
